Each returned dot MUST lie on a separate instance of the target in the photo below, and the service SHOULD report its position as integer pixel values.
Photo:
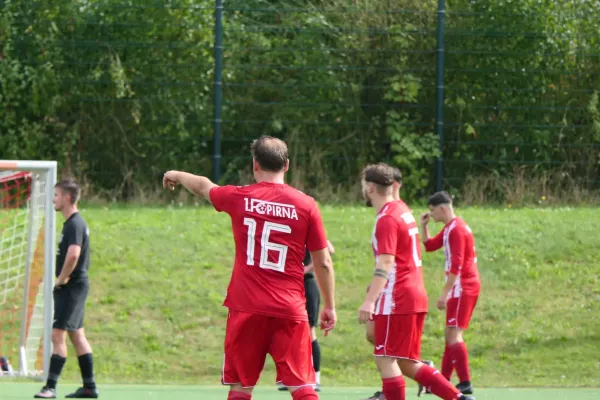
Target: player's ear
(255, 165)
(287, 165)
(371, 187)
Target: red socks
(447, 365)
(436, 383)
(305, 393)
(394, 388)
(235, 395)
(461, 361)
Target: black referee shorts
(69, 305)
(313, 300)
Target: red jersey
(461, 260)
(396, 233)
(272, 225)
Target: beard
(368, 201)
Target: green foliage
(413, 151)
(119, 92)
(519, 88)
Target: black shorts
(313, 299)
(69, 305)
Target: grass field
(13, 391)
(159, 276)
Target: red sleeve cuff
(455, 269)
(428, 246)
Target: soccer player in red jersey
(396, 299)
(272, 225)
(370, 325)
(462, 287)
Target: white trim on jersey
(373, 235)
(387, 296)
(457, 288)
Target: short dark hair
(70, 187)
(380, 174)
(270, 153)
(439, 198)
(397, 175)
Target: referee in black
(313, 300)
(70, 293)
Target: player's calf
(49, 390)
(437, 384)
(393, 384)
(422, 388)
(239, 395)
(394, 388)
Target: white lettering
(269, 208)
(408, 217)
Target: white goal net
(27, 241)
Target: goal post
(27, 265)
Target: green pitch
(159, 275)
(14, 391)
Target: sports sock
(235, 395)
(56, 365)
(461, 361)
(86, 365)
(447, 365)
(394, 388)
(305, 393)
(316, 356)
(436, 383)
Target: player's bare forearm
(309, 268)
(198, 185)
(326, 281)
(425, 233)
(380, 279)
(323, 268)
(450, 281)
(67, 269)
(375, 288)
(424, 229)
(73, 253)
(449, 284)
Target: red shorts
(399, 335)
(459, 310)
(250, 337)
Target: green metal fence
(464, 95)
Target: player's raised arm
(199, 185)
(430, 243)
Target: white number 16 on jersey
(265, 245)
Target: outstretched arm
(199, 185)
